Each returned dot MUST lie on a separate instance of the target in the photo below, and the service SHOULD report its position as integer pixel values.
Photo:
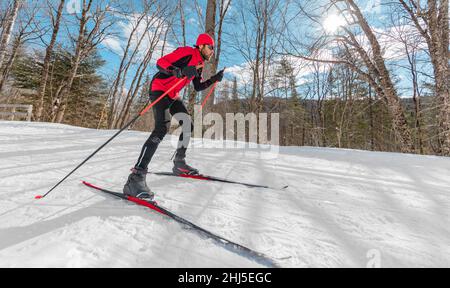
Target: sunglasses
(210, 47)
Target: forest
(371, 75)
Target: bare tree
(4, 11)
(153, 35)
(55, 20)
(147, 27)
(27, 30)
(368, 61)
(89, 37)
(210, 68)
(182, 20)
(412, 44)
(256, 40)
(125, 63)
(432, 21)
(8, 26)
(214, 27)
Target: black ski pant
(163, 111)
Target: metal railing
(13, 113)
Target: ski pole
(210, 92)
(115, 135)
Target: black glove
(177, 72)
(218, 77)
(190, 71)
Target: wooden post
(13, 112)
(30, 113)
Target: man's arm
(170, 62)
(199, 85)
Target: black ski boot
(180, 167)
(136, 185)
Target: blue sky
(374, 10)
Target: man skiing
(187, 63)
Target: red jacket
(181, 57)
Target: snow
(343, 208)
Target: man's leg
(179, 111)
(136, 185)
(162, 124)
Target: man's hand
(190, 71)
(177, 72)
(218, 77)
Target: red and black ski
(215, 179)
(227, 244)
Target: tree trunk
(210, 67)
(182, 20)
(7, 31)
(61, 95)
(436, 33)
(191, 99)
(400, 123)
(439, 29)
(255, 88)
(87, 40)
(47, 59)
(371, 121)
(9, 64)
(122, 71)
(136, 84)
(260, 100)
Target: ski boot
(180, 167)
(136, 185)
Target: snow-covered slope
(342, 208)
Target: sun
(332, 23)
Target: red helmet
(204, 39)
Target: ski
(215, 179)
(223, 242)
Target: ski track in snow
(340, 205)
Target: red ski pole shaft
(145, 110)
(162, 96)
(209, 94)
(211, 91)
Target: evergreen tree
(88, 91)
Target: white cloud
(372, 7)
(302, 69)
(392, 41)
(144, 36)
(242, 72)
(389, 39)
(114, 44)
(193, 21)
